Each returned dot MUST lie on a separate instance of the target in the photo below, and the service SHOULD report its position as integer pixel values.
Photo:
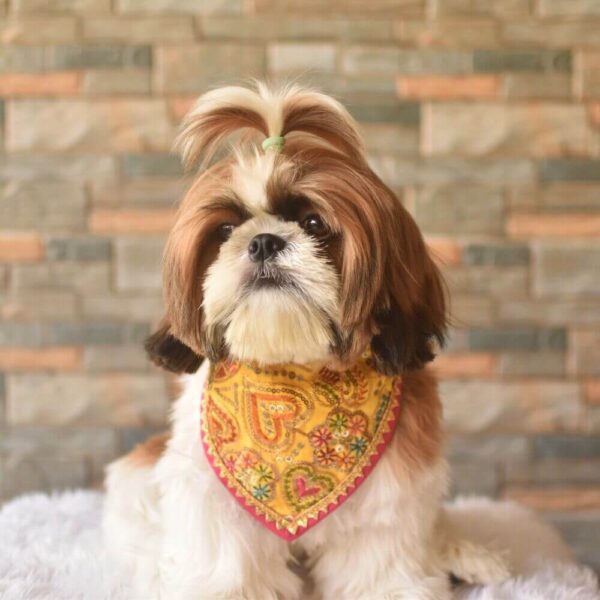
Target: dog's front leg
(375, 563)
(212, 549)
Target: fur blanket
(51, 549)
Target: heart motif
(306, 491)
(304, 486)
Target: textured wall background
(483, 114)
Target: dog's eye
(314, 225)
(225, 230)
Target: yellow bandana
(292, 442)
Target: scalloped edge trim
(293, 532)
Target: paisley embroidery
(222, 427)
(292, 442)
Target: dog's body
(299, 256)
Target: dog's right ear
(169, 353)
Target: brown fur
(392, 293)
(419, 432)
(149, 452)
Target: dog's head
(294, 253)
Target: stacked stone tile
(484, 115)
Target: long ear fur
(167, 352)
(410, 315)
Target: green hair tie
(277, 142)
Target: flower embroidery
(326, 456)
(261, 492)
(341, 440)
(345, 459)
(357, 425)
(358, 445)
(321, 436)
(338, 423)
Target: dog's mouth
(268, 277)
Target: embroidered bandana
(291, 442)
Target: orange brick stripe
(592, 392)
(20, 247)
(472, 364)
(67, 83)
(595, 113)
(441, 87)
(555, 225)
(178, 107)
(444, 250)
(63, 358)
(551, 499)
(131, 221)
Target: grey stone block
(195, 68)
(460, 210)
(403, 113)
(81, 57)
(80, 249)
(401, 171)
(550, 312)
(582, 532)
(111, 399)
(2, 398)
(523, 338)
(150, 165)
(487, 280)
(47, 167)
(129, 437)
(369, 60)
(141, 306)
(532, 364)
(481, 406)
(301, 28)
(566, 446)
(128, 357)
(473, 478)
(21, 59)
(65, 275)
(15, 333)
(554, 471)
(570, 169)
(566, 267)
(43, 204)
(46, 459)
(489, 449)
(139, 263)
(521, 60)
(95, 332)
(496, 254)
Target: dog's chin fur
(321, 298)
(272, 325)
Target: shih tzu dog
(312, 432)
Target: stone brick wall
(483, 114)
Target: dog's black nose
(264, 246)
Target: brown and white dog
(355, 274)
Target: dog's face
(295, 256)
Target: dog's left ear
(169, 353)
(409, 316)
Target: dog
(309, 289)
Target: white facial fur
(291, 323)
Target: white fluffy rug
(51, 549)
